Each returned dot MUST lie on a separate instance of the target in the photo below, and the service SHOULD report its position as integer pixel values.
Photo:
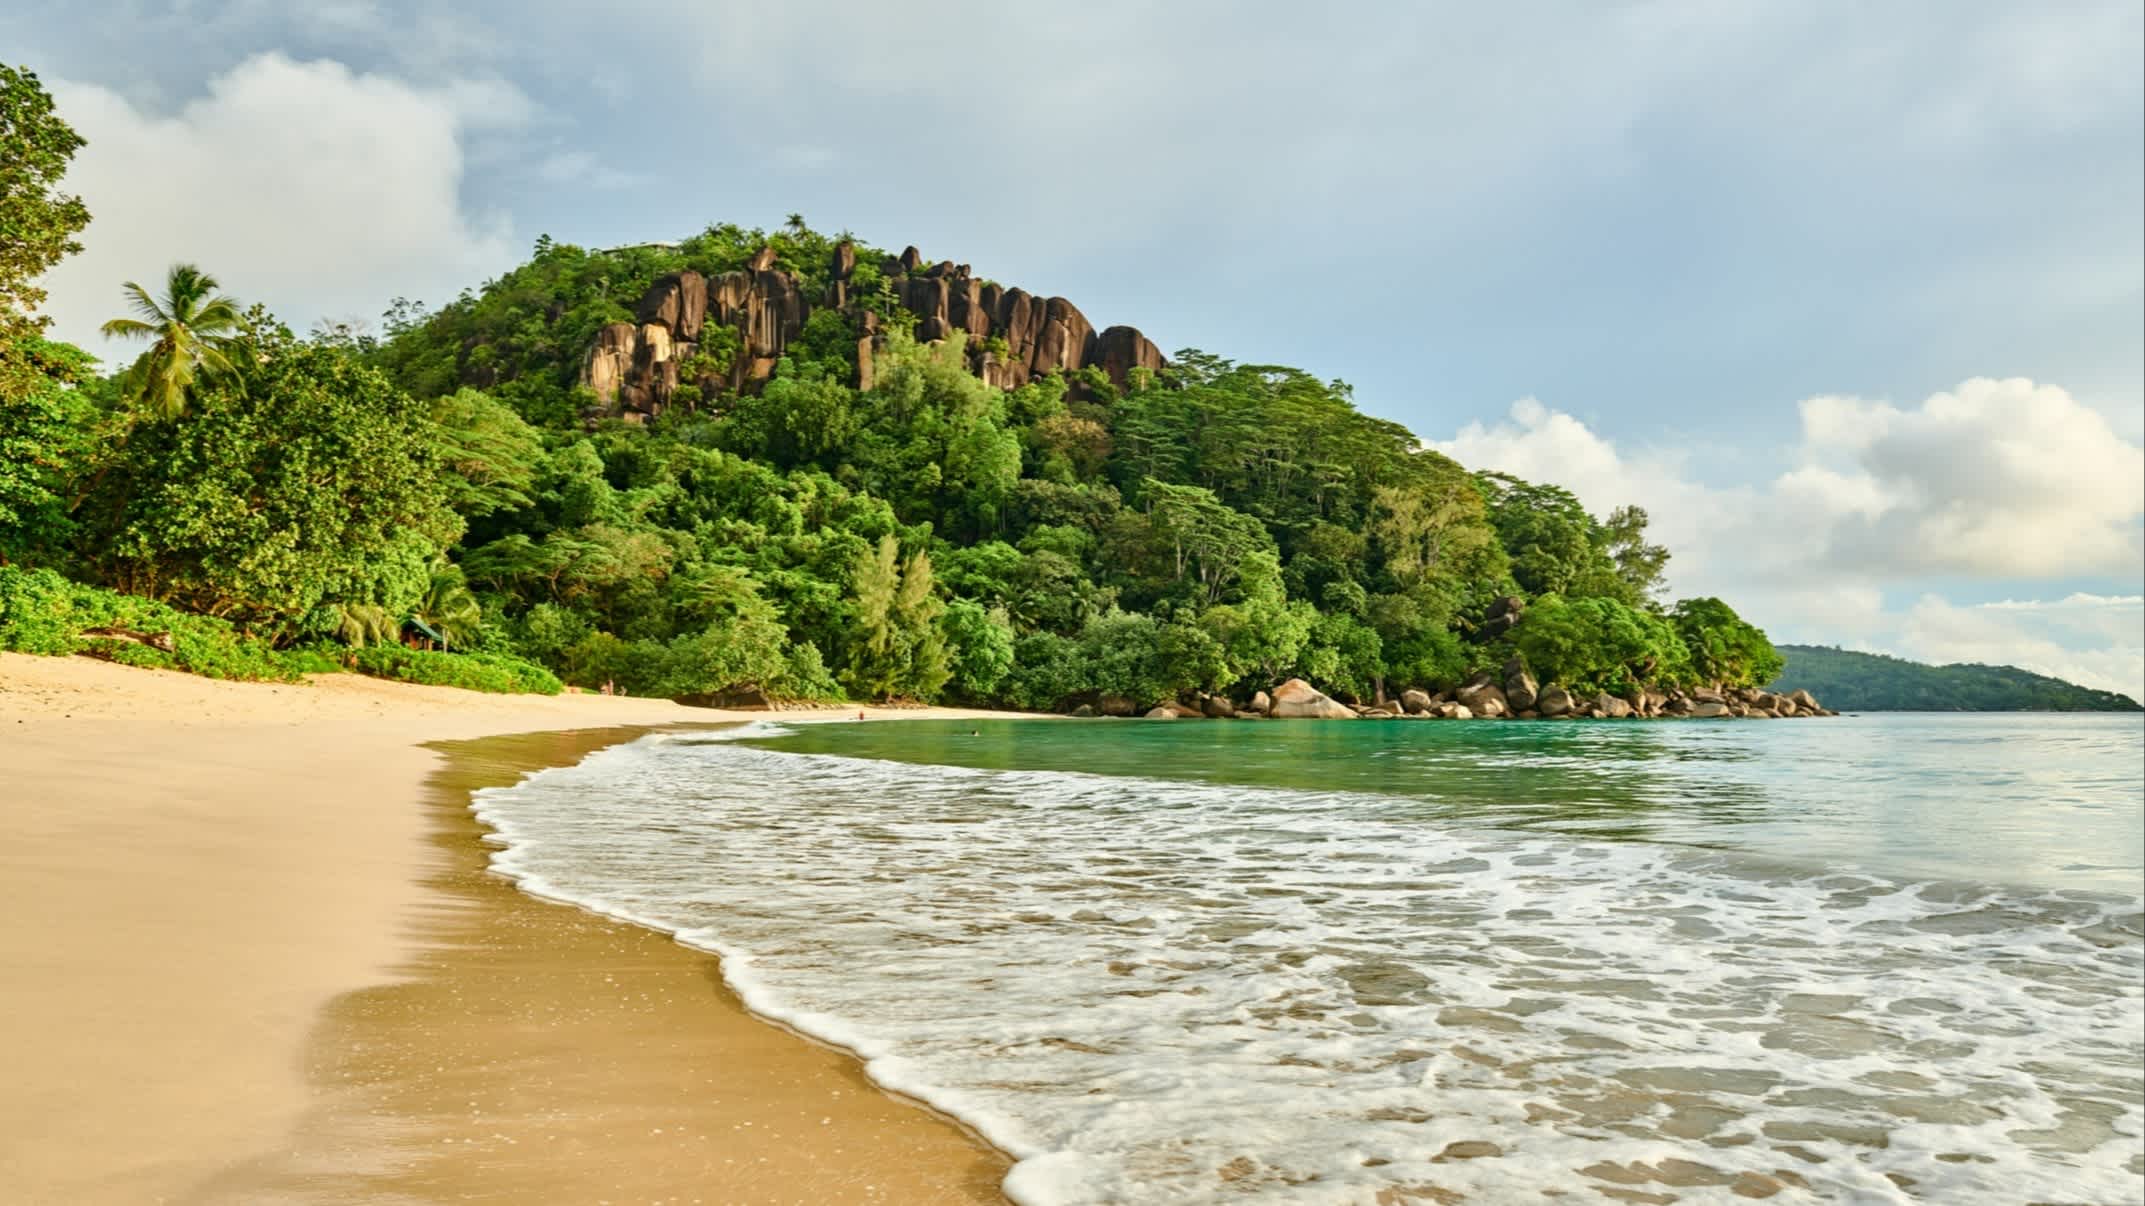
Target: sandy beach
(252, 954)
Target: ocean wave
(1177, 992)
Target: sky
(1850, 297)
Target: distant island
(1872, 682)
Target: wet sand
(209, 895)
(538, 1052)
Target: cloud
(2096, 641)
(303, 185)
(2076, 601)
(2004, 482)
(1696, 521)
(1996, 479)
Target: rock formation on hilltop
(1012, 336)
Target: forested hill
(925, 485)
(1872, 682)
(783, 463)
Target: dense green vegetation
(495, 672)
(42, 612)
(1214, 527)
(1872, 682)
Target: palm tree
(449, 609)
(195, 330)
(362, 624)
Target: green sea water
(2042, 800)
(1886, 959)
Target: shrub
(42, 612)
(498, 673)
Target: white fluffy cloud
(1541, 444)
(2096, 640)
(303, 185)
(1995, 481)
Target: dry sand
(242, 957)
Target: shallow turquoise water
(1892, 959)
(2055, 801)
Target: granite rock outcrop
(1011, 337)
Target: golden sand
(248, 957)
(536, 1052)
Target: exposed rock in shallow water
(1554, 701)
(1483, 698)
(1299, 699)
(1520, 689)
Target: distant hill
(1872, 682)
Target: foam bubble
(1162, 991)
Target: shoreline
(200, 872)
(500, 993)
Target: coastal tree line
(346, 493)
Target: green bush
(498, 673)
(42, 612)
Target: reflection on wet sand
(532, 1051)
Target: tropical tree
(448, 608)
(1594, 644)
(490, 453)
(289, 508)
(195, 333)
(359, 624)
(1723, 646)
(48, 432)
(37, 222)
(900, 648)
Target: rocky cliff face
(1013, 337)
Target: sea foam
(1151, 991)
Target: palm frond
(362, 624)
(143, 304)
(128, 328)
(219, 314)
(186, 285)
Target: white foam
(1150, 991)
